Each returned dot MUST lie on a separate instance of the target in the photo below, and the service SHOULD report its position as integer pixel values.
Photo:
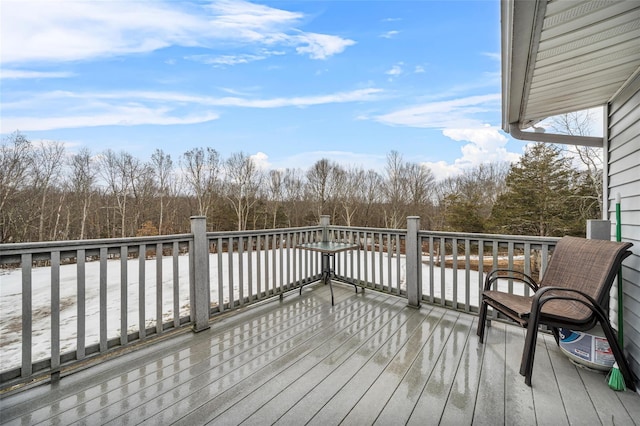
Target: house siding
(622, 156)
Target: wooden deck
(368, 360)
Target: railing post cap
(197, 217)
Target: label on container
(594, 350)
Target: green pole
(620, 293)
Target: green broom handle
(620, 293)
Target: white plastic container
(589, 349)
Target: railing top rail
(43, 246)
(367, 229)
(262, 231)
(492, 237)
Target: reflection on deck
(370, 359)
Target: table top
(328, 246)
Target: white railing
(65, 302)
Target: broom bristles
(616, 381)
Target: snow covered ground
(266, 271)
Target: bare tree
(201, 170)
(243, 180)
(591, 158)
(293, 187)
(350, 192)
(46, 171)
(16, 159)
(420, 187)
(275, 191)
(162, 167)
(395, 191)
(115, 170)
(322, 185)
(372, 196)
(83, 178)
(143, 191)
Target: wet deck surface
(368, 360)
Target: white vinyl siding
(623, 177)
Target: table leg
(327, 260)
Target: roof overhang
(562, 56)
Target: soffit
(566, 55)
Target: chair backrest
(586, 265)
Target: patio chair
(573, 293)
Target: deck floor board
(370, 359)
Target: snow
(266, 273)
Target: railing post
(598, 229)
(200, 274)
(414, 265)
(324, 223)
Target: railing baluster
(431, 269)
(274, 268)
(510, 263)
(103, 299)
(467, 274)
(176, 284)
(55, 312)
(250, 251)
(230, 285)
(159, 289)
(123, 294)
(142, 293)
(398, 264)
(80, 304)
(220, 276)
(27, 315)
(241, 270)
(443, 276)
(480, 267)
(454, 266)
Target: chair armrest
(541, 297)
(493, 276)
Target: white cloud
(456, 113)
(88, 109)
(23, 74)
(321, 46)
(486, 145)
(395, 70)
(114, 116)
(442, 169)
(390, 34)
(81, 30)
(225, 59)
(261, 160)
(462, 120)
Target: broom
(616, 381)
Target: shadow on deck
(368, 360)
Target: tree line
(47, 193)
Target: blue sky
(288, 81)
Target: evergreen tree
(540, 197)
(461, 214)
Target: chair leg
(556, 334)
(482, 320)
(529, 350)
